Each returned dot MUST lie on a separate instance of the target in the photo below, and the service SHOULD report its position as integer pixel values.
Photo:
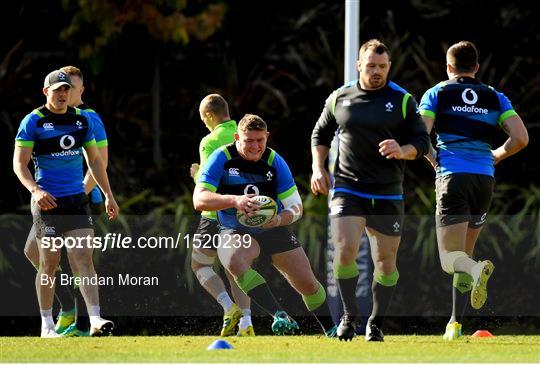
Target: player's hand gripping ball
(267, 211)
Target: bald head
(214, 110)
(215, 104)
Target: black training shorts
(463, 197)
(382, 215)
(207, 230)
(271, 241)
(97, 208)
(72, 212)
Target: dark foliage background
(147, 65)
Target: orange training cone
(482, 334)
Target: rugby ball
(267, 211)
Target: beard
(376, 82)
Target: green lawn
(270, 349)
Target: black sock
(382, 295)
(264, 298)
(347, 292)
(324, 317)
(83, 321)
(317, 304)
(254, 285)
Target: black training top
(366, 118)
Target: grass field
(270, 349)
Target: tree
(97, 24)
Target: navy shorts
(72, 212)
(462, 198)
(383, 215)
(271, 241)
(207, 230)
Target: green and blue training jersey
(57, 141)
(226, 172)
(467, 114)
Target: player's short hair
(215, 104)
(252, 122)
(72, 71)
(374, 44)
(463, 56)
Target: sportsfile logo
(470, 97)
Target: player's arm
(415, 136)
(320, 178)
(96, 167)
(518, 138)
(89, 182)
(431, 156)
(205, 198)
(24, 145)
(390, 148)
(427, 109)
(21, 158)
(287, 195)
(102, 144)
(205, 195)
(293, 208)
(205, 150)
(321, 140)
(194, 171)
(292, 211)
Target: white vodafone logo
(70, 142)
(470, 97)
(251, 189)
(465, 96)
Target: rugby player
(466, 114)
(71, 322)
(230, 179)
(54, 136)
(378, 128)
(214, 112)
